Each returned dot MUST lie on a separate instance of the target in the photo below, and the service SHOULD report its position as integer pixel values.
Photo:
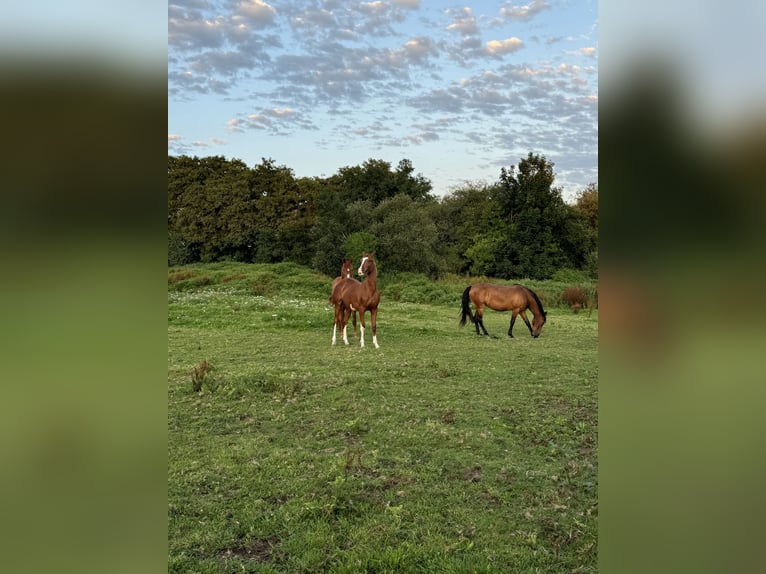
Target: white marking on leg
(345, 338)
(375, 341)
(334, 327)
(361, 328)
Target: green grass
(439, 452)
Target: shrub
(574, 297)
(570, 276)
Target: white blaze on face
(359, 271)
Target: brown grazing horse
(346, 272)
(514, 298)
(354, 296)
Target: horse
(515, 298)
(346, 272)
(351, 295)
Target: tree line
(220, 209)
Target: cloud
(417, 50)
(464, 22)
(411, 4)
(541, 93)
(502, 47)
(376, 73)
(278, 121)
(314, 19)
(524, 12)
(191, 31)
(255, 12)
(376, 6)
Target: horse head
(367, 263)
(347, 270)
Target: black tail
(466, 310)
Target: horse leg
(353, 317)
(513, 320)
(524, 316)
(344, 323)
(374, 321)
(361, 326)
(336, 320)
(480, 320)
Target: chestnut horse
(514, 298)
(346, 272)
(351, 295)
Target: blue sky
(459, 89)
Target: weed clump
(575, 298)
(198, 375)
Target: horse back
(341, 288)
(499, 297)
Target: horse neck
(371, 282)
(532, 303)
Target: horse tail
(466, 309)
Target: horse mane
(537, 300)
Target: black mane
(537, 300)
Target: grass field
(439, 452)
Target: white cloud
(419, 49)
(406, 3)
(256, 11)
(507, 46)
(174, 137)
(464, 22)
(377, 6)
(590, 51)
(185, 32)
(524, 12)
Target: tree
(586, 206)
(329, 228)
(209, 207)
(284, 214)
(416, 187)
(358, 243)
(374, 181)
(406, 237)
(468, 222)
(536, 221)
(586, 202)
(348, 200)
(221, 209)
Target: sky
(459, 89)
